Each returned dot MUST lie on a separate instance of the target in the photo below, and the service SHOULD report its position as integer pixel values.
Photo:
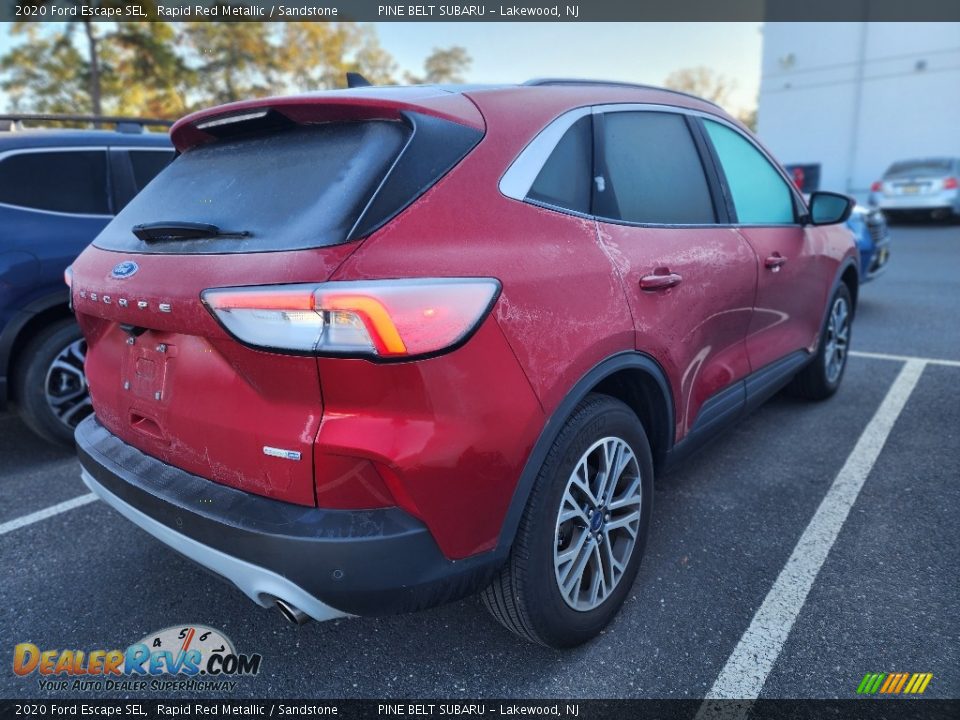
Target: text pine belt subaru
(373, 350)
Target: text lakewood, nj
(477, 11)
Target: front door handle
(659, 280)
(775, 261)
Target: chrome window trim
(522, 173)
(55, 148)
(51, 148)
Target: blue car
(868, 224)
(873, 240)
(58, 189)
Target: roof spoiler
(357, 104)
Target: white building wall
(855, 97)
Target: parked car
(868, 225)
(873, 240)
(372, 350)
(928, 187)
(58, 189)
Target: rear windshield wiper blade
(167, 230)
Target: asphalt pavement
(725, 532)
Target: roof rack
(615, 83)
(133, 125)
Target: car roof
(49, 137)
(473, 105)
(581, 91)
(585, 85)
(940, 160)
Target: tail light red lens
(379, 318)
(876, 187)
(950, 183)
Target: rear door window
(760, 194)
(66, 181)
(651, 172)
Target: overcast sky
(638, 52)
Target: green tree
(317, 56)
(165, 69)
(91, 65)
(44, 73)
(132, 68)
(232, 60)
(371, 60)
(443, 65)
(145, 74)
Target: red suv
(369, 351)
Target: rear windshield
(297, 188)
(920, 167)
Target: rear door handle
(659, 280)
(775, 261)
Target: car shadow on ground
(21, 450)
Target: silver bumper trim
(259, 584)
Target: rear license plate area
(146, 371)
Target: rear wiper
(167, 230)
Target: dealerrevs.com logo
(180, 658)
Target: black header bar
(480, 11)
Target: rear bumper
(328, 563)
(934, 201)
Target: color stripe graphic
(894, 683)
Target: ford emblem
(124, 269)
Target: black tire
(525, 596)
(30, 379)
(815, 381)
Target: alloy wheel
(66, 385)
(838, 337)
(598, 523)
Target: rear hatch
(276, 191)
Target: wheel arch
(632, 377)
(850, 276)
(22, 328)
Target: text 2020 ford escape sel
(368, 351)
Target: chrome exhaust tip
(292, 614)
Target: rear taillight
(380, 318)
(876, 187)
(950, 183)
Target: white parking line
(751, 661)
(904, 358)
(39, 515)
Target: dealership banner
(536, 11)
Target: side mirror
(827, 208)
